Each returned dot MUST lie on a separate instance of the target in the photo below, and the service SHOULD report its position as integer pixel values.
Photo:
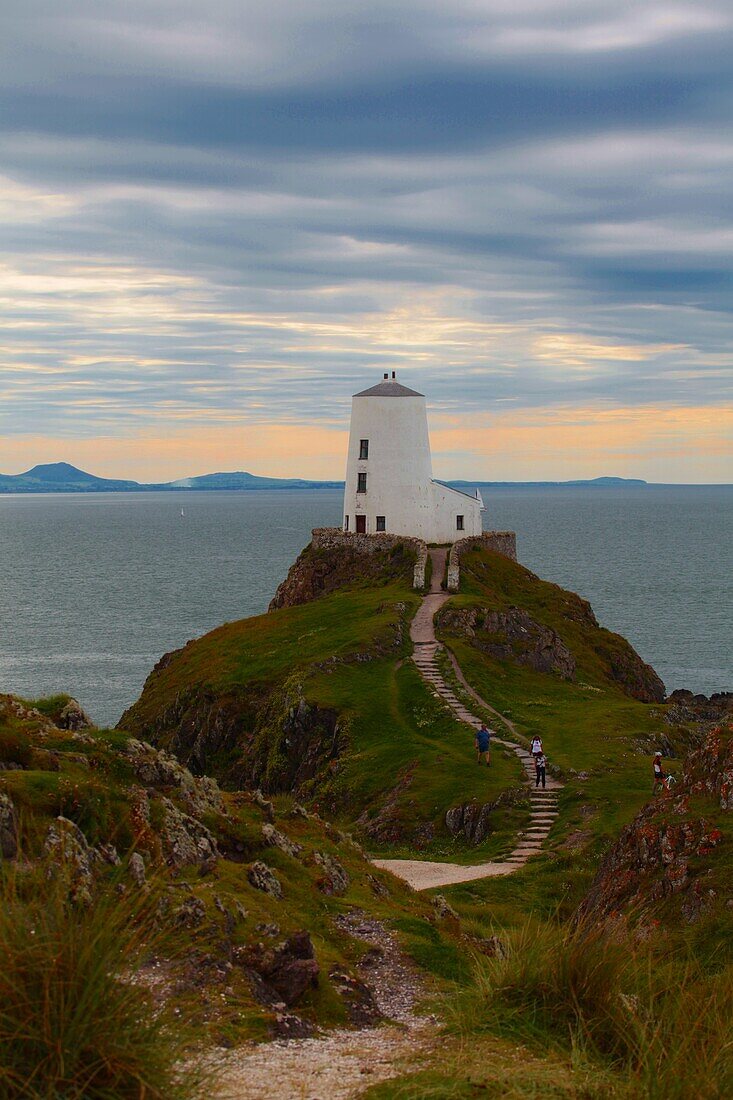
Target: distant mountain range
(60, 477)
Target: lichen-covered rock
(69, 856)
(471, 820)
(443, 908)
(512, 635)
(8, 828)
(136, 867)
(273, 838)
(267, 807)
(335, 878)
(191, 913)
(186, 841)
(658, 855)
(74, 717)
(159, 770)
(262, 878)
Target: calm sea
(95, 588)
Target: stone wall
(329, 538)
(502, 542)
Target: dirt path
(343, 1063)
(421, 874)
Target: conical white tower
(389, 475)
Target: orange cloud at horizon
(657, 443)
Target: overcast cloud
(216, 215)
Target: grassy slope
(345, 652)
(587, 726)
(90, 781)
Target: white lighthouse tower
(389, 473)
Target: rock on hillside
(674, 861)
(511, 615)
(318, 571)
(250, 896)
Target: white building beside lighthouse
(389, 473)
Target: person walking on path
(540, 764)
(536, 747)
(483, 745)
(660, 779)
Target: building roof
(389, 388)
(474, 496)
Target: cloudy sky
(219, 219)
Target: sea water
(95, 588)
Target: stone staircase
(423, 874)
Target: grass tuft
(664, 1027)
(73, 1021)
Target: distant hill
(592, 483)
(61, 477)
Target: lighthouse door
(361, 525)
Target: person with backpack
(660, 779)
(483, 745)
(540, 766)
(536, 747)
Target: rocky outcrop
(284, 973)
(73, 717)
(470, 820)
(158, 769)
(262, 878)
(685, 708)
(637, 678)
(334, 558)
(8, 828)
(296, 743)
(197, 726)
(186, 841)
(70, 857)
(667, 854)
(512, 635)
(334, 879)
(275, 839)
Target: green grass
(99, 798)
(401, 751)
(573, 1013)
(73, 1023)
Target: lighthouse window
(363, 448)
(361, 483)
(381, 523)
(346, 523)
(459, 523)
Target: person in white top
(536, 747)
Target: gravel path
(421, 874)
(344, 1063)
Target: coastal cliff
(316, 699)
(674, 861)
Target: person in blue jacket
(483, 745)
